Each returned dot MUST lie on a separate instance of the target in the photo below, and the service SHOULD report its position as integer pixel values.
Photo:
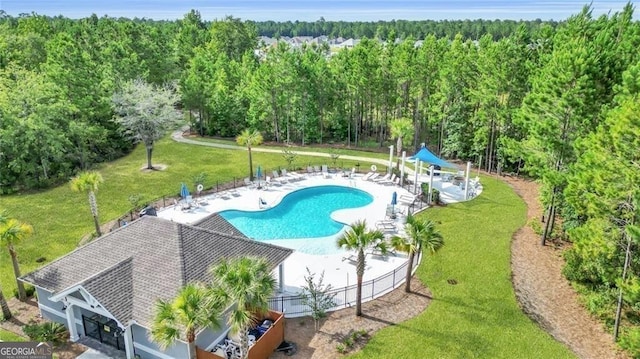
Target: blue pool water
(302, 220)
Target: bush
(341, 348)
(27, 288)
(630, 341)
(52, 332)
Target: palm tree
(11, 232)
(88, 182)
(359, 238)
(249, 138)
(192, 310)
(401, 129)
(421, 234)
(6, 313)
(246, 283)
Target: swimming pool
(302, 220)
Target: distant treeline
(469, 29)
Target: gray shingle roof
(128, 269)
(216, 223)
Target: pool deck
(339, 269)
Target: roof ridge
(244, 239)
(86, 245)
(97, 274)
(181, 256)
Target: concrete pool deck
(339, 271)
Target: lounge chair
(325, 172)
(270, 182)
(317, 170)
(294, 176)
(389, 181)
(248, 183)
(367, 176)
(310, 170)
(374, 176)
(383, 178)
(386, 226)
(405, 199)
(278, 178)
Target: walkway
(178, 137)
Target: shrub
(52, 332)
(27, 288)
(536, 227)
(630, 341)
(341, 348)
(349, 342)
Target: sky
(306, 10)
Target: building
(108, 288)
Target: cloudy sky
(305, 10)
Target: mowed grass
(478, 317)
(7, 336)
(61, 218)
(372, 153)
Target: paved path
(178, 137)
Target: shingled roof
(128, 269)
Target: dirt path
(546, 295)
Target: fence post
(345, 296)
(373, 287)
(394, 278)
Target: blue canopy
(426, 156)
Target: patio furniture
(367, 176)
(382, 179)
(325, 171)
(277, 177)
(270, 182)
(374, 176)
(386, 225)
(294, 176)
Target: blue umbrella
(259, 174)
(394, 201)
(184, 191)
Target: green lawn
(60, 217)
(7, 336)
(479, 316)
(371, 153)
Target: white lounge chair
(325, 172)
(389, 181)
(383, 178)
(278, 178)
(367, 176)
(292, 175)
(249, 183)
(374, 176)
(405, 199)
(386, 226)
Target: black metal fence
(293, 306)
